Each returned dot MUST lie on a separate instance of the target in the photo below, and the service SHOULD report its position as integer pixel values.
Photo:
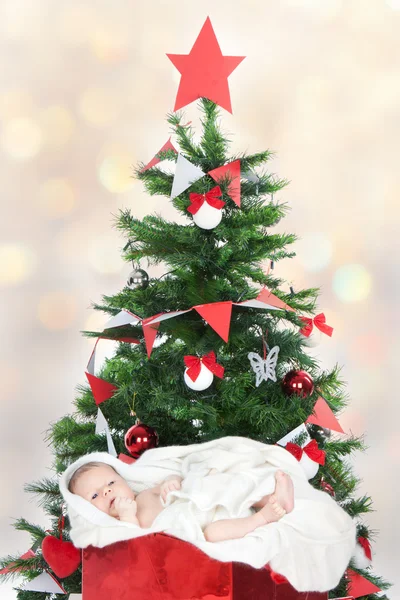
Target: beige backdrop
(85, 87)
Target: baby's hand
(174, 483)
(126, 509)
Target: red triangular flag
(269, 298)
(150, 332)
(127, 340)
(324, 417)
(218, 316)
(102, 390)
(29, 554)
(359, 586)
(126, 459)
(233, 169)
(154, 161)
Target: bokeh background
(84, 90)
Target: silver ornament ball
(138, 280)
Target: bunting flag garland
(359, 585)
(185, 174)
(9, 569)
(45, 582)
(218, 316)
(124, 317)
(324, 417)
(126, 459)
(267, 297)
(292, 435)
(102, 390)
(102, 426)
(320, 323)
(154, 161)
(233, 169)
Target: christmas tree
(215, 347)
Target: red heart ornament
(62, 557)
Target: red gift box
(161, 567)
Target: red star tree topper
(204, 71)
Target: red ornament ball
(299, 383)
(139, 438)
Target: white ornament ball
(310, 467)
(314, 339)
(360, 558)
(203, 381)
(208, 217)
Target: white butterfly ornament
(264, 368)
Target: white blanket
(311, 546)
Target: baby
(102, 486)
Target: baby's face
(100, 486)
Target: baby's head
(100, 484)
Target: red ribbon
(311, 449)
(319, 321)
(211, 197)
(209, 360)
(366, 545)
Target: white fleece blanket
(311, 546)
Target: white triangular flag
(101, 426)
(101, 423)
(293, 434)
(44, 583)
(124, 317)
(110, 444)
(185, 174)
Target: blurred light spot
(393, 446)
(21, 138)
(11, 380)
(15, 103)
(352, 421)
(395, 4)
(368, 349)
(352, 283)
(56, 197)
(75, 22)
(314, 251)
(104, 255)
(99, 107)
(115, 170)
(57, 310)
(327, 8)
(108, 46)
(58, 125)
(95, 322)
(73, 240)
(17, 263)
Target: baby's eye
(111, 482)
(94, 496)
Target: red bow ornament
(193, 364)
(211, 197)
(320, 323)
(311, 450)
(366, 546)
